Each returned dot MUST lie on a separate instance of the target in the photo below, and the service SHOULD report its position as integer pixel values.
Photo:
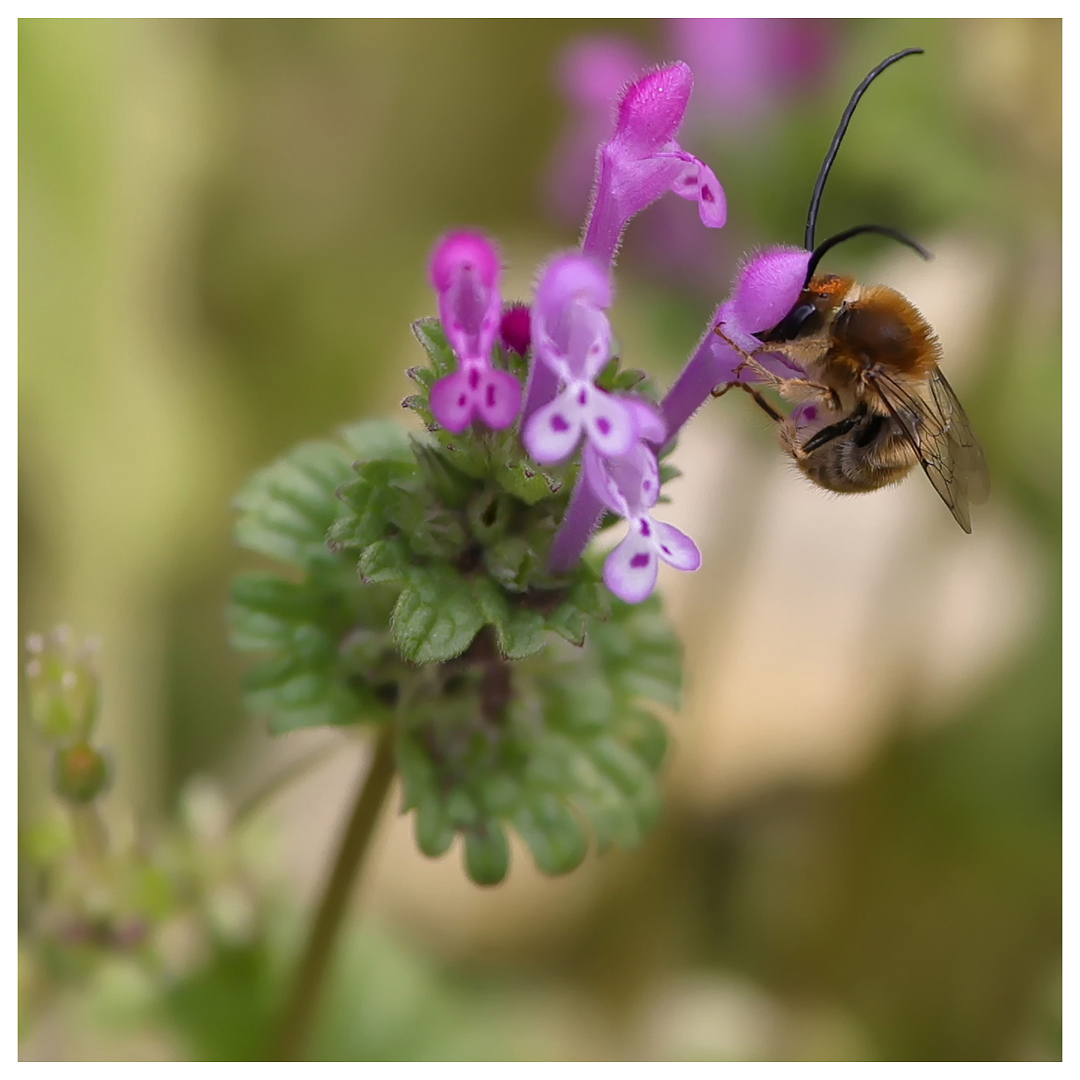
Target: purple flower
(744, 67)
(629, 486)
(642, 160)
(766, 288)
(464, 271)
(572, 339)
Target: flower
(642, 160)
(630, 486)
(745, 67)
(767, 287)
(572, 337)
(464, 270)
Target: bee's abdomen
(873, 455)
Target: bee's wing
(935, 424)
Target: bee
(871, 402)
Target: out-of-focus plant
(103, 892)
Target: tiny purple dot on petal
(647, 486)
(707, 195)
(490, 396)
(604, 424)
(461, 402)
(639, 560)
(558, 423)
(645, 530)
(665, 549)
(474, 379)
(810, 413)
(582, 397)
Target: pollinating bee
(870, 400)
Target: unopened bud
(80, 773)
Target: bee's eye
(800, 320)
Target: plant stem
(311, 973)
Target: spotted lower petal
(452, 402)
(698, 182)
(609, 423)
(498, 399)
(675, 547)
(630, 570)
(553, 431)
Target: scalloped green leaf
(487, 854)
(378, 440)
(552, 833)
(436, 616)
(384, 561)
(429, 333)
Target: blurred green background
(223, 235)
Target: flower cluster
(568, 337)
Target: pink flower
(766, 289)
(745, 67)
(642, 161)
(572, 338)
(630, 486)
(464, 271)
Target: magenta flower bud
(572, 338)
(630, 486)
(766, 288)
(464, 271)
(642, 160)
(515, 329)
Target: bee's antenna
(858, 230)
(838, 138)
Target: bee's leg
(723, 388)
(833, 431)
(778, 382)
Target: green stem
(295, 1027)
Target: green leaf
(378, 440)
(429, 333)
(553, 834)
(434, 832)
(384, 561)
(519, 631)
(273, 595)
(447, 484)
(436, 616)
(487, 854)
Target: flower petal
(609, 423)
(498, 399)
(600, 477)
(552, 432)
(768, 287)
(652, 108)
(675, 547)
(650, 423)
(452, 402)
(630, 570)
(698, 181)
